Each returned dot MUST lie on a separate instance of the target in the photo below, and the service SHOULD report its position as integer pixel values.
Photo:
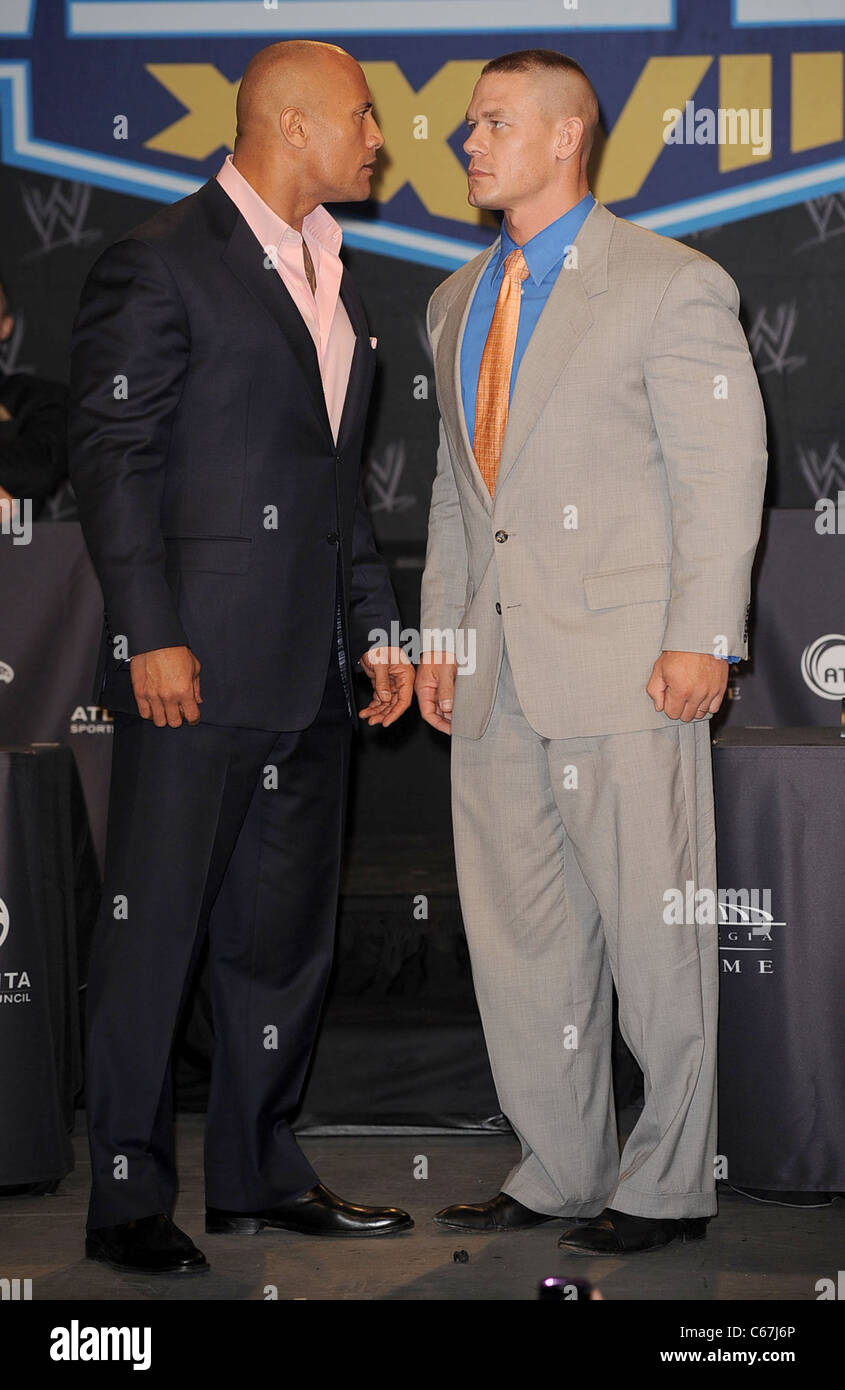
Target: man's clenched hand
(688, 685)
(166, 684)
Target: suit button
(501, 537)
(332, 538)
(498, 608)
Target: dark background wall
(777, 224)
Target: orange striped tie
(492, 397)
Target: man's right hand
(435, 689)
(166, 684)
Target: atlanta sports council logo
(15, 985)
(91, 719)
(7, 675)
(823, 666)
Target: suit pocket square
(373, 342)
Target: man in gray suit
(594, 517)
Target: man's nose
(472, 144)
(376, 139)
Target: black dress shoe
(316, 1213)
(620, 1233)
(501, 1213)
(149, 1245)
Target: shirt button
(498, 608)
(501, 537)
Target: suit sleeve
(129, 357)
(444, 581)
(708, 414)
(372, 603)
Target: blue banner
(711, 112)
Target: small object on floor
(565, 1290)
(317, 1212)
(500, 1213)
(148, 1245)
(784, 1199)
(460, 1257)
(619, 1233)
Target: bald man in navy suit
(222, 368)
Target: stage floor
(752, 1251)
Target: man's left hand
(392, 675)
(688, 685)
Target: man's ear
(570, 137)
(7, 324)
(292, 126)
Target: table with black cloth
(780, 825)
(49, 894)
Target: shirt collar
(269, 227)
(546, 248)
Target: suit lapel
(565, 318)
(362, 370)
(245, 258)
(447, 365)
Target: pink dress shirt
(326, 317)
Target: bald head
(306, 130)
(297, 73)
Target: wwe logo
(823, 476)
(771, 339)
(384, 479)
(828, 218)
(9, 350)
(58, 216)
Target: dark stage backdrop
(791, 276)
(49, 634)
(106, 113)
(108, 110)
(103, 121)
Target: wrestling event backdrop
(110, 108)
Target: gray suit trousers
(565, 851)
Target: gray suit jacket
(630, 489)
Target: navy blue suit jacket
(212, 495)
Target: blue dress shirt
(544, 255)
